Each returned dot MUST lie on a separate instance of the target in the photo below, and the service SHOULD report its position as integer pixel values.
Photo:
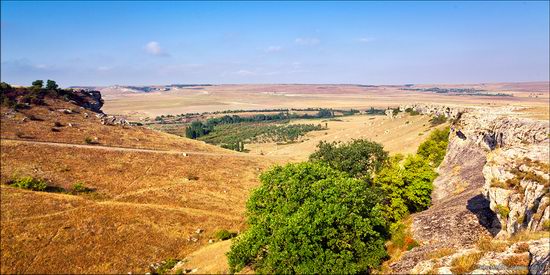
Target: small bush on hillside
(401, 238)
(80, 187)
(435, 147)
(359, 158)
(309, 218)
(90, 140)
(166, 266)
(225, 235)
(503, 211)
(412, 112)
(437, 120)
(30, 183)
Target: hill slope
(143, 206)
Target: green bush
(436, 120)
(30, 183)
(407, 186)
(225, 235)
(435, 147)
(503, 211)
(90, 140)
(310, 218)
(80, 187)
(359, 158)
(412, 112)
(166, 266)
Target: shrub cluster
(30, 183)
(434, 148)
(224, 234)
(436, 120)
(334, 213)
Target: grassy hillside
(143, 207)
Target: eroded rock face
(484, 143)
(510, 155)
(540, 256)
(517, 187)
(516, 174)
(88, 99)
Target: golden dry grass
(399, 135)
(441, 252)
(523, 236)
(145, 212)
(517, 260)
(210, 259)
(465, 263)
(521, 247)
(486, 244)
(146, 204)
(144, 208)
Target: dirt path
(127, 149)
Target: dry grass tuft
(465, 263)
(521, 247)
(528, 236)
(517, 260)
(442, 252)
(487, 244)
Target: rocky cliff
(492, 182)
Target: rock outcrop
(510, 155)
(516, 258)
(452, 112)
(516, 175)
(88, 99)
(487, 147)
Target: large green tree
(310, 218)
(359, 158)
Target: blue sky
(139, 43)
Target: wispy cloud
(154, 48)
(365, 39)
(273, 49)
(245, 73)
(307, 41)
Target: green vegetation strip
(336, 212)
